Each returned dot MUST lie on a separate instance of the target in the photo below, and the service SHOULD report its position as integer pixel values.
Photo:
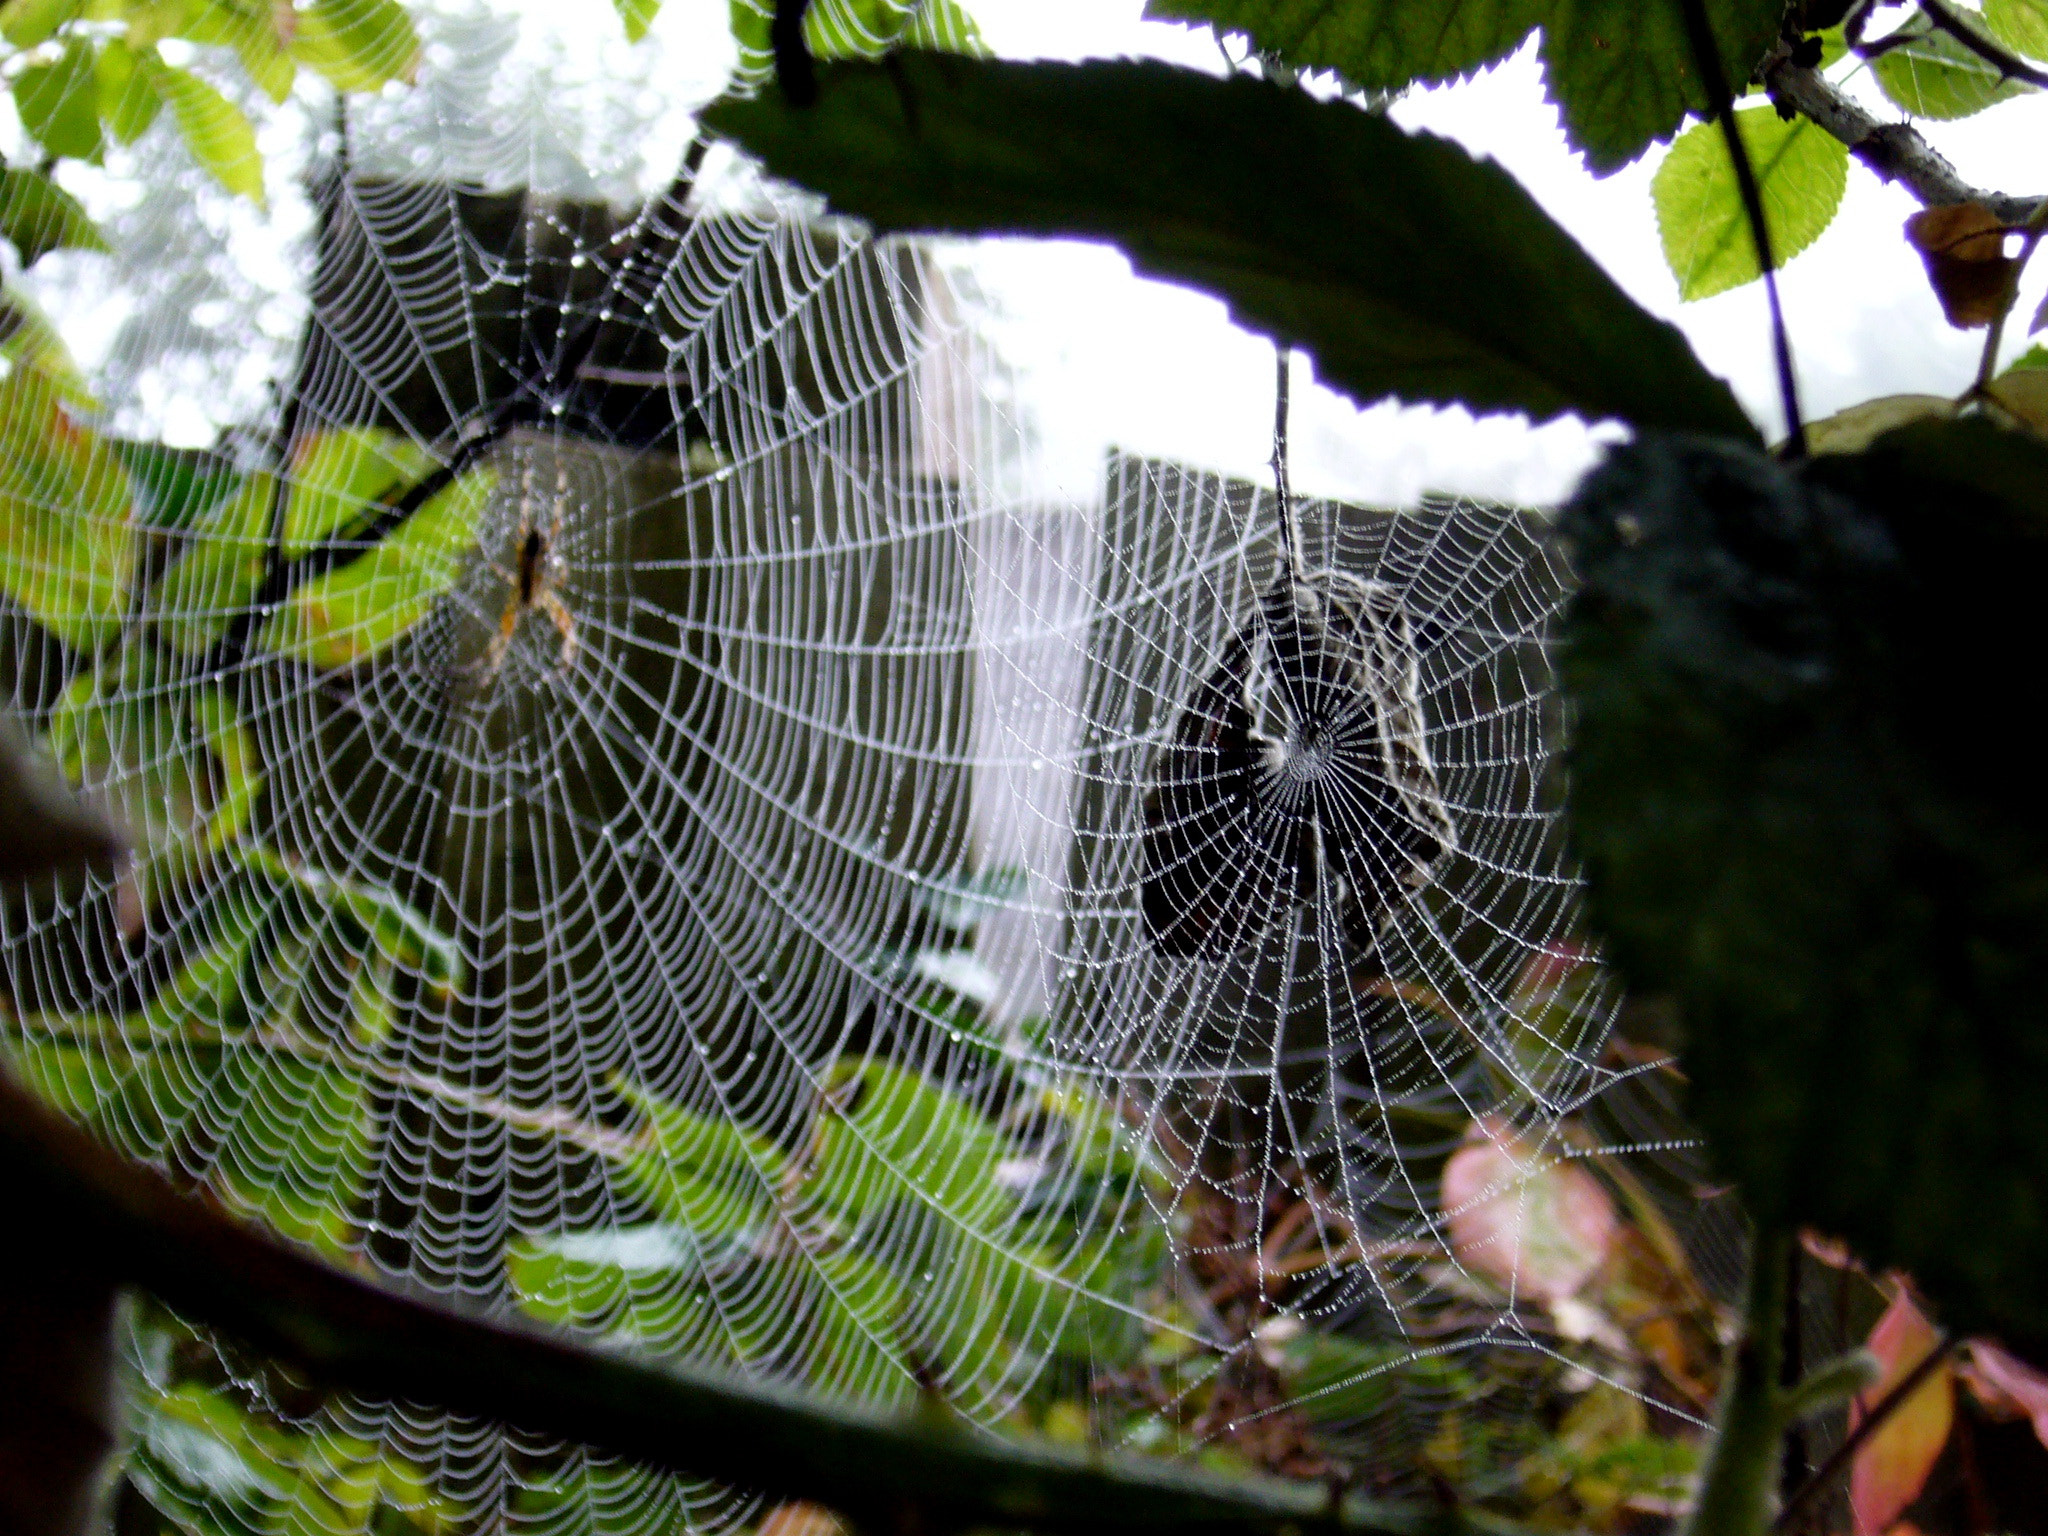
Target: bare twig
(1896, 151)
(1803, 1504)
(2009, 65)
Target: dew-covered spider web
(638, 803)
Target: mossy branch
(106, 1216)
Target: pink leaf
(2007, 1388)
(1892, 1467)
(1520, 1216)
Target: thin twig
(1290, 553)
(1793, 1517)
(1707, 58)
(1895, 151)
(2009, 65)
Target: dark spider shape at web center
(1298, 772)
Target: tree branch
(1896, 151)
(920, 1470)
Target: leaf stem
(1742, 1469)
(1803, 1504)
(1707, 58)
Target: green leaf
(60, 102)
(129, 98)
(352, 614)
(637, 15)
(714, 1177)
(39, 217)
(854, 29)
(175, 488)
(219, 136)
(24, 23)
(1620, 71)
(1805, 798)
(1936, 76)
(888, 1140)
(182, 769)
(33, 346)
(67, 537)
(340, 477)
(1408, 267)
(2022, 25)
(254, 36)
(358, 45)
(1801, 172)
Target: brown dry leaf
(2024, 394)
(1963, 245)
(1892, 1467)
(1855, 429)
(800, 1519)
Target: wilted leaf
(1408, 267)
(214, 129)
(2006, 1387)
(1801, 172)
(1855, 429)
(1891, 1468)
(59, 102)
(1620, 71)
(2024, 393)
(1522, 1215)
(1936, 76)
(39, 217)
(1963, 247)
(1781, 835)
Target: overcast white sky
(1162, 370)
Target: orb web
(679, 881)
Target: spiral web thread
(730, 946)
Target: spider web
(691, 897)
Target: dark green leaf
(1805, 795)
(1619, 70)
(1408, 267)
(1801, 171)
(175, 487)
(39, 217)
(60, 102)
